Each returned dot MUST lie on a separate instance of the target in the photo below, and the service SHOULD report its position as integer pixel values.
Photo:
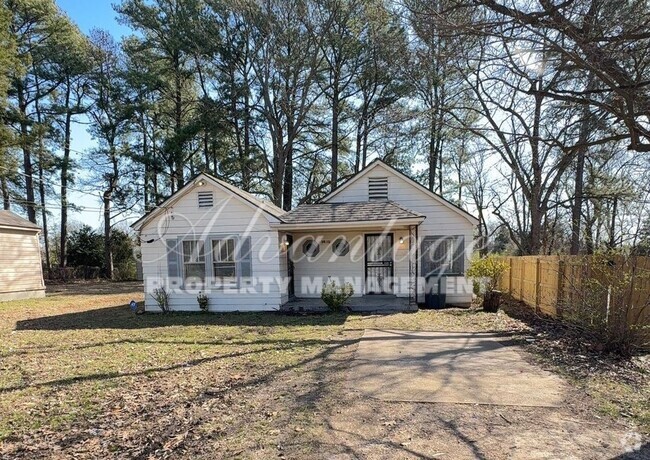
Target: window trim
(453, 239)
(197, 262)
(236, 282)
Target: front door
(379, 263)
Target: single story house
(380, 231)
(21, 271)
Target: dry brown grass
(81, 375)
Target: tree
(111, 112)
(606, 40)
(39, 30)
(72, 68)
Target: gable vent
(378, 188)
(206, 199)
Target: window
(206, 199)
(444, 255)
(310, 248)
(193, 260)
(378, 188)
(340, 247)
(223, 260)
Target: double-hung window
(443, 255)
(224, 267)
(193, 261)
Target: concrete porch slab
(443, 367)
(365, 304)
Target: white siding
(440, 220)
(310, 274)
(229, 216)
(21, 273)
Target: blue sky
(90, 14)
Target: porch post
(413, 267)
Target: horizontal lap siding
(228, 216)
(20, 262)
(440, 220)
(351, 266)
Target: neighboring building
(21, 271)
(380, 231)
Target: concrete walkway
(469, 368)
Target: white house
(381, 231)
(21, 272)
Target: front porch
(360, 304)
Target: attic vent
(378, 188)
(206, 199)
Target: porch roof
(350, 213)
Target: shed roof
(348, 212)
(10, 220)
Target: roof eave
(391, 223)
(22, 229)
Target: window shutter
(173, 263)
(458, 267)
(245, 258)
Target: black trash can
(435, 296)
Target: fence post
(560, 288)
(510, 277)
(538, 282)
(522, 275)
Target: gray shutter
(173, 258)
(245, 258)
(459, 256)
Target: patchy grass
(81, 374)
(619, 387)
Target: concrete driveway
(450, 367)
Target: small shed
(21, 271)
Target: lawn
(82, 376)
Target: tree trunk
(6, 202)
(27, 158)
(65, 166)
(335, 135)
(433, 154)
(178, 118)
(108, 252)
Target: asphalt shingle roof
(348, 212)
(9, 219)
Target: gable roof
(348, 212)
(379, 163)
(11, 220)
(246, 197)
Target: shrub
(161, 296)
(202, 299)
(487, 271)
(607, 296)
(335, 296)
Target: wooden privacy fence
(552, 284)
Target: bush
(335, 296)
(203, 301)
(607, 296)
(487, 271)
(161, 296)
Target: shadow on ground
(121, 317)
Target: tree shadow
(121, 317)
